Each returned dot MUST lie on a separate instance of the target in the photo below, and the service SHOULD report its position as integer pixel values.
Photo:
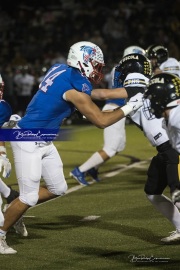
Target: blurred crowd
(36, 34)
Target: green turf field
(105, 226)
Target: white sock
(1, 213)
(93, 161)
(165, 206)
(4, 189)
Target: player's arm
(116, 92)
(91, 111)
(4, 161)
(104, 94)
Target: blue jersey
(47, 108)
(5, 112)
(115, 84)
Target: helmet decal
(128, 57)
(85, 87)
(89, 53)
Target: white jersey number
(48, 79)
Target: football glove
(5, 165)
(14, 119)
(133, 105)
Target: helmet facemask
(96, 75)
(93, 72)
(147, 109)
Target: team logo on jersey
(85, 87)
(158, 136)
(89, 52)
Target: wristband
(2, 149)
(126, 109)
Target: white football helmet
(134, 49)
(88, 58)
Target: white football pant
(33, 161)
(114, 135)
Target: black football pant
(164, 170)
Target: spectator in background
(31, 28)
(24, 83)
(18, 59)
(10, 94)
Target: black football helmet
(131, 63)
(158, 52)
(164, 93)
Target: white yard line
(138, 164)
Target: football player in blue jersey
(8, 193)
(64, 88)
